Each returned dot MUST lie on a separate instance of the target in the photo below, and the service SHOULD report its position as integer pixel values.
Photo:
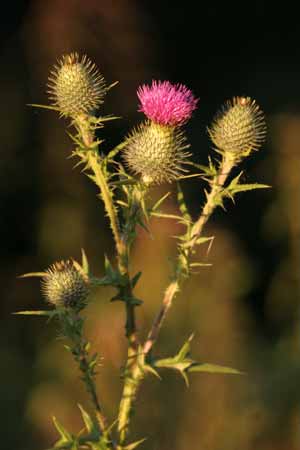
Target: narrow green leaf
(185, 377)
(105, 281)
(182, 204)
(66, 437)
(34, 274)
(116, 150)
(213, 368)
(192, 175)
(121, 203)
(199, 264)
(200, 240)
(133, 445)
(36, 105)
(84, 262)
(88, 422)
(166, 216)
(248, 187)
(185, 349)
(35, 313)
(150, 369)
(135, 279)
(160, 201)
(209, 171)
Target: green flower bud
(156, 152)
(239, 127)
(76, 86)
(66, 285)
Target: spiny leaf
(213, 368)
(209, 171)
(104, 281)
(150, 369)
(108, 267)
(131, 446)
(99, 120)
(192, 175)
(35, 313)
(135, 279)
(116, 150)
(84, 262)
(199, 264)
(123, 183)
(182, 204)
(88, 422)
(235, 186)
(77, 140)
(181, 360)
(92, 177)
(166, 216)
(66, 437)
(121, 203)
(200, 240)
(34, 274)
(248, 187)
(160, 201)
(186, 348)
(36, 105)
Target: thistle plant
(155, 152)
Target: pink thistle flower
(166, 103)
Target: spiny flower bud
(156, 152)
(76, 86)
(166, 103)
(66, 285)
(239, 127)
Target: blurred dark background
(244, 310)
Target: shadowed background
(244, 309)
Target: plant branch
(72, 325)
(94, 163)
(217, 184)
(122, 248)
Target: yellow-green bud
(66, 285)
(76, 86)
(156, 152)
(239, 127)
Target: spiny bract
(66, 285)
(239, 127)
(76, 86)
(156, 152)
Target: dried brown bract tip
(239, 127)
(66, 285)
(76, 86)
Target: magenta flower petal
(166, 103)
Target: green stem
(93, 161)
(87, 134)
(122, 247)
(133, 376)
(72, 328)
(217, 184)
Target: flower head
(166, 103)
(66, 285)
(156, 152)
(76, 86)
(239, 127)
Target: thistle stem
(94, 163)
(122, 247)
(135, 371)
(217, 184)
(72, 328)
